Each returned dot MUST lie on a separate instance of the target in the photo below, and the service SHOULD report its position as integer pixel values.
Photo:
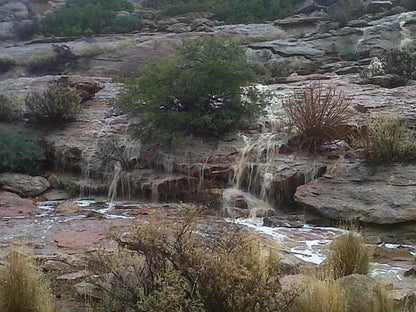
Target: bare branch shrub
(319, 113)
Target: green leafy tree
(197, 92)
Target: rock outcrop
(23, 184)
(379, 195)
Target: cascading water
(406, 39)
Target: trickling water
(406, 39)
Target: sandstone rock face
(382, 195)
(23, 184)
(12, 205)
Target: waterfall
(406, 40)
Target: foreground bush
(163, 270)
(198, 92)
(318, 113)
(348, 255)
(77, 17)
(22, 288)
(59, 104)
(401, 64)
(19, 152)
(387, 140)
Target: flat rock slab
(382, 195)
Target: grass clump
(22, 288)
(401, 64)
(348, 255)
(319, 114)
(180, 269)
(7, 108)
(19, 152)
(321, 296)
(387, 140)
(198, 92)
(59, 104)
(6, 63)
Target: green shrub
(175, 268)
(19, 152)
(348, 255)
(387, 140)
(6, 62)
(126, 23)
(59, 104)
(26, 30)
(22, 288)
(198, 92)
(319, 114)
(78, 17)
(401, 64)
(231, 11)
(7, 112)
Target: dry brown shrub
(22, 288)
(319, 114)
(348, 255)
(387, 140)
(182, 267)
(321, 296)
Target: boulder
(68, 208)
(6, 30)
(12, 205)
(382, 195)
(14, 11)
(306, 6)
(290, 221)
(359, 290)
(86, 86)
(22, 184)
(376, 6)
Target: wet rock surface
(380, 195)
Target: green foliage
(348, 255)
(401, 64)
(198, 92)
(22, 288)
(346, 10)
(387, 140)
(232, 11)
(59, 104)
(7, 112)
(77, 17)
(19, 152)
(6, 62)
(175, 268)
(26, 30)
